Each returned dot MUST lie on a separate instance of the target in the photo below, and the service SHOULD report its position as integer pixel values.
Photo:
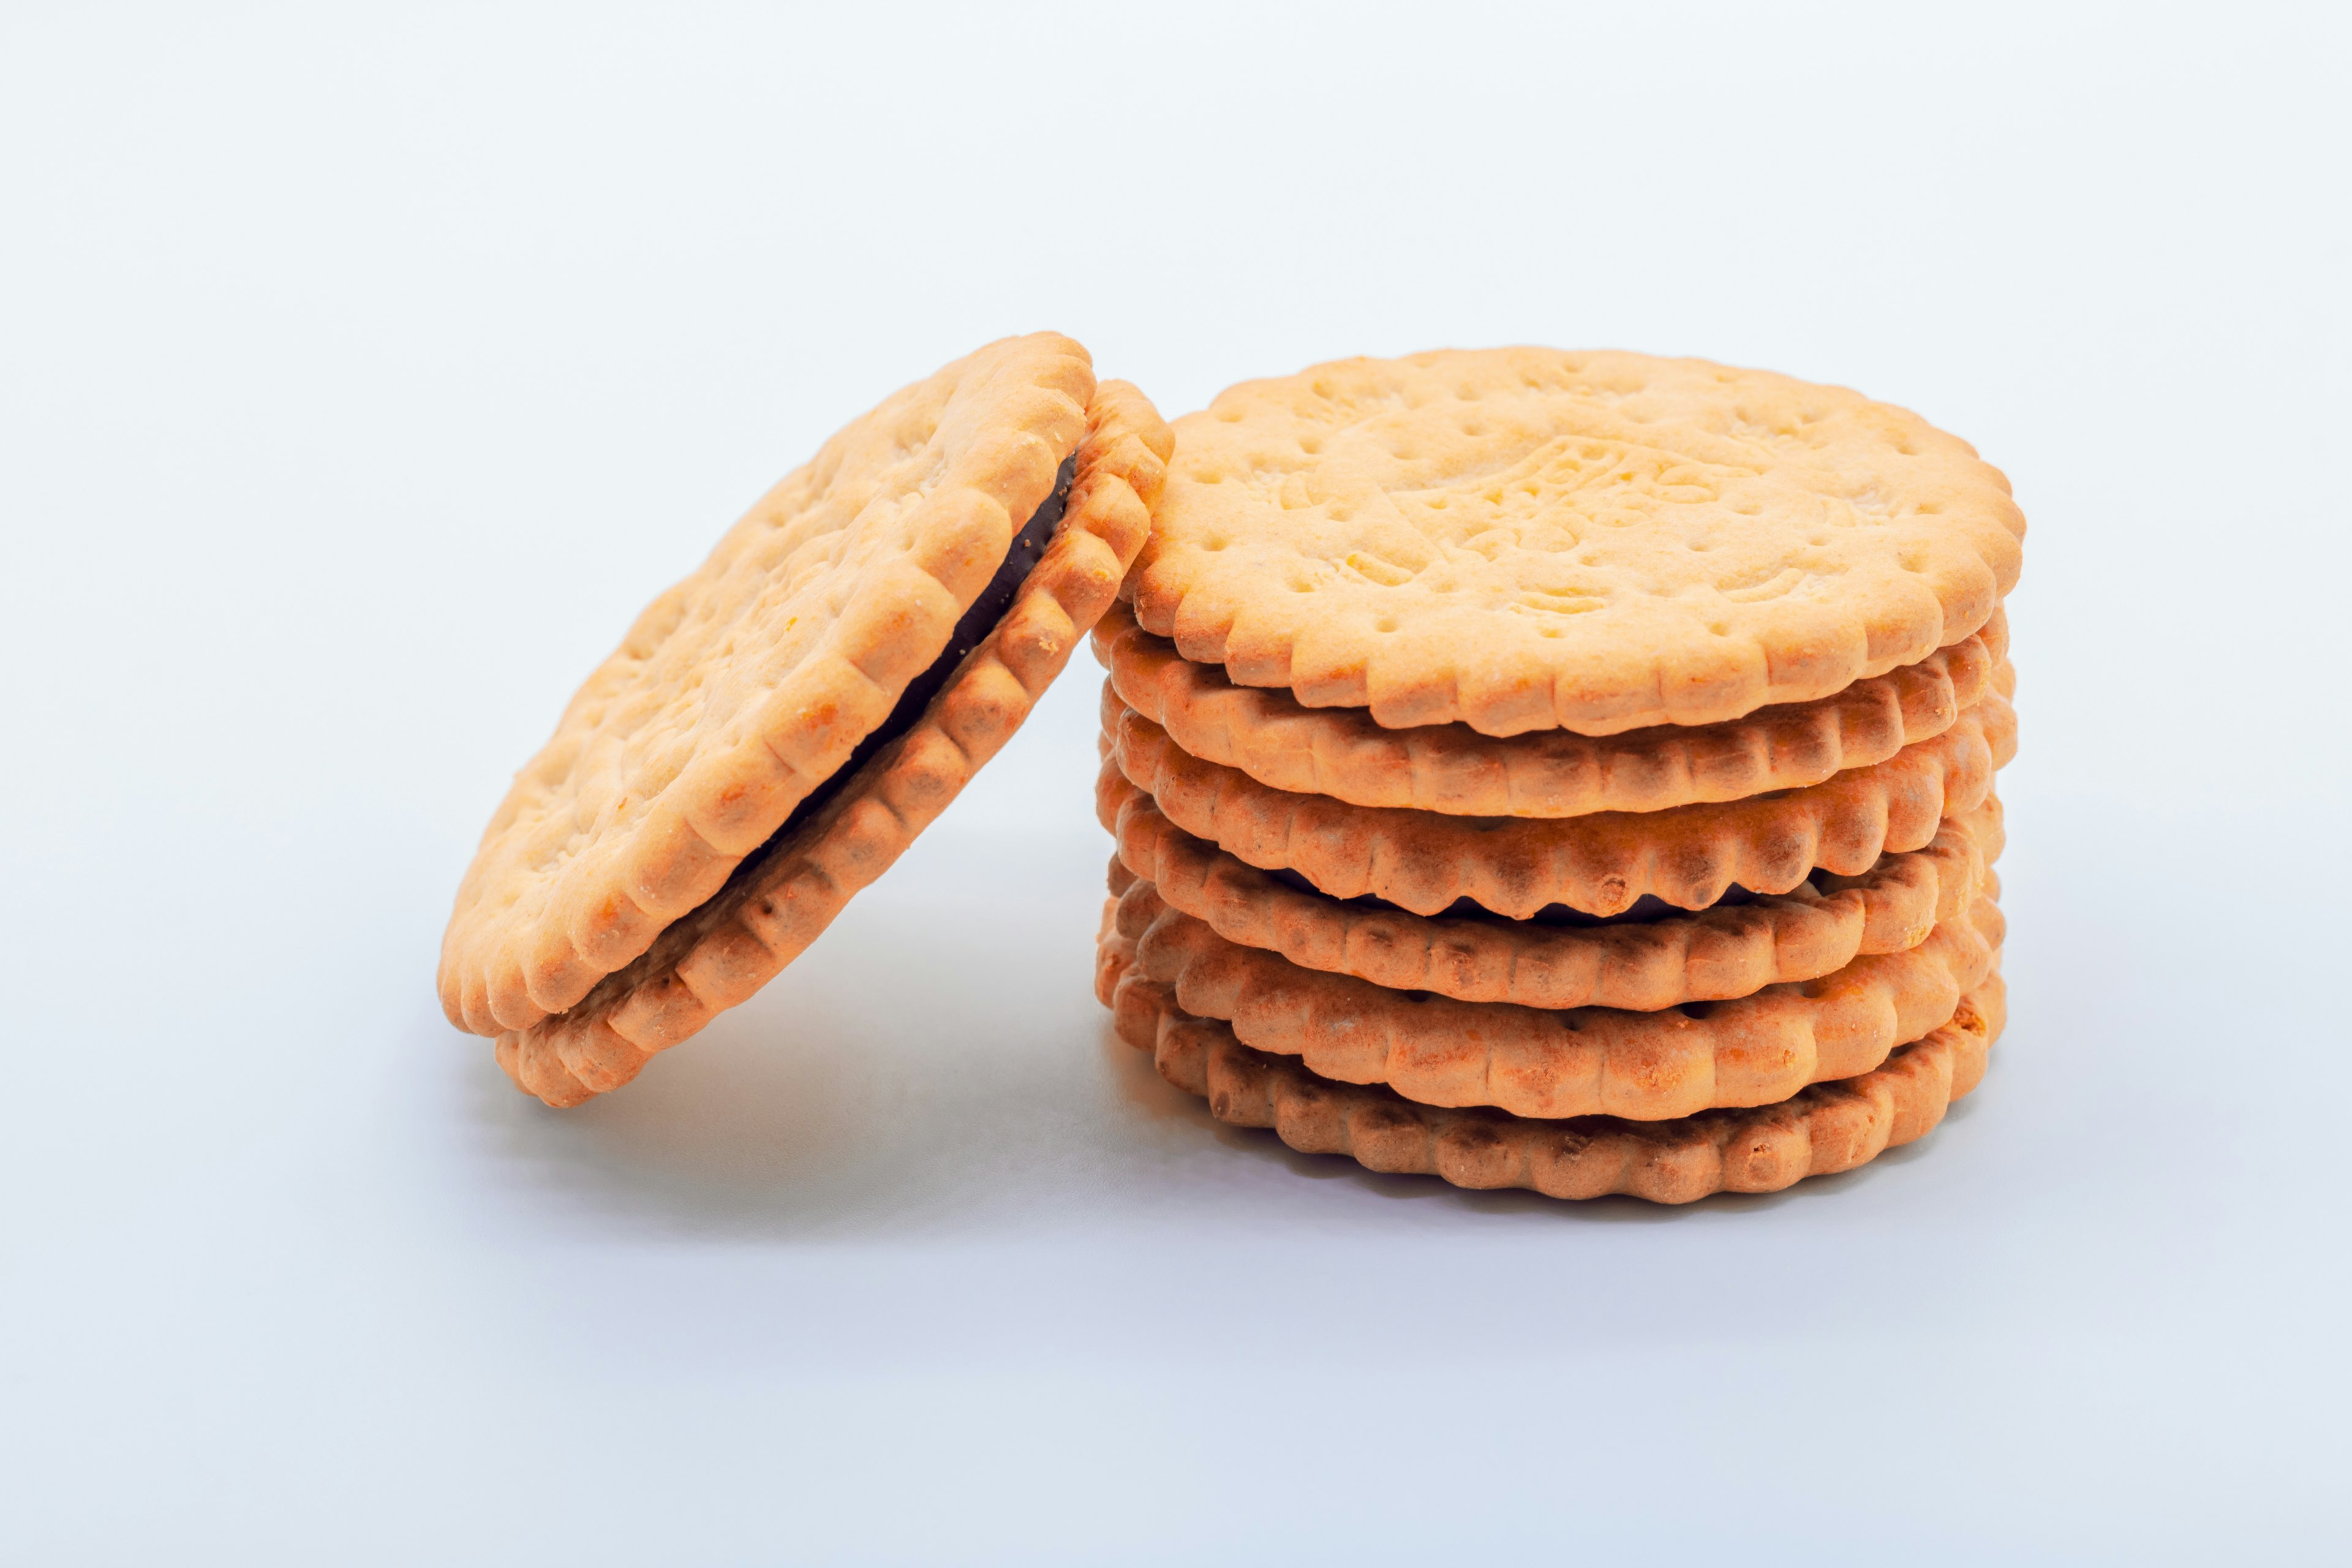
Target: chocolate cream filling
(1020, 557)
(1647, 909)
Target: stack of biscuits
(1563, 771)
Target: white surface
(360, 383)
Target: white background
(360, 379)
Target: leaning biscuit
(1702, 955)
(1528, 539)
(1828, 1127)
(1648, 1067)
(899, 773)
(742, 689)
(1601, 864)
(1344, 753)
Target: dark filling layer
(1020, 557)
(1644, 911)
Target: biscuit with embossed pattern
(783, 895)
(1528, 539)
(748, 685)
(1451, 768)
(1601, 865)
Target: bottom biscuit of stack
(1824, 1129)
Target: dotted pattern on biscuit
(1601, 864)
(723, 952)
(1754, 1050)
(1712, 954)
(748, 684)
(1826, 1129)
(1451, 768)
(1528, 539)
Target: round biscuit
(1826, 1129)
(1601, 864)
(1525, 539)
(745, 686)
(1702, 955)
(1552, 1063)
(1451, 768)
(785, 893)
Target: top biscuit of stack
(1530, 538)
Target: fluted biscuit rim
(746, 685)
(1601, 864)
(1345, 754)
(1702, 955)
(725, 949)
(1557, 1063)
(1523, 538)
(1826, 1130)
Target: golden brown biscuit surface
(1345, 754)
(1601, 864)
(1753, 1050)
(748, 685)
(1523, 539)
(1729, 950)
(784, 895)
(1826, 1129)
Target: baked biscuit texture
(1649, 1066)
(1528, 539)
(789, 890)
(748, 685)
(1601, 864)
(1826, 1129)
(1702, 955)
(1342, 753)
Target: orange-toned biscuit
(746, 686)
(1344, 753)
(1601, 864)
(1531, 538)
(784, 893)
(1732, 949)
(1648, 1067)
(1828, 1127)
